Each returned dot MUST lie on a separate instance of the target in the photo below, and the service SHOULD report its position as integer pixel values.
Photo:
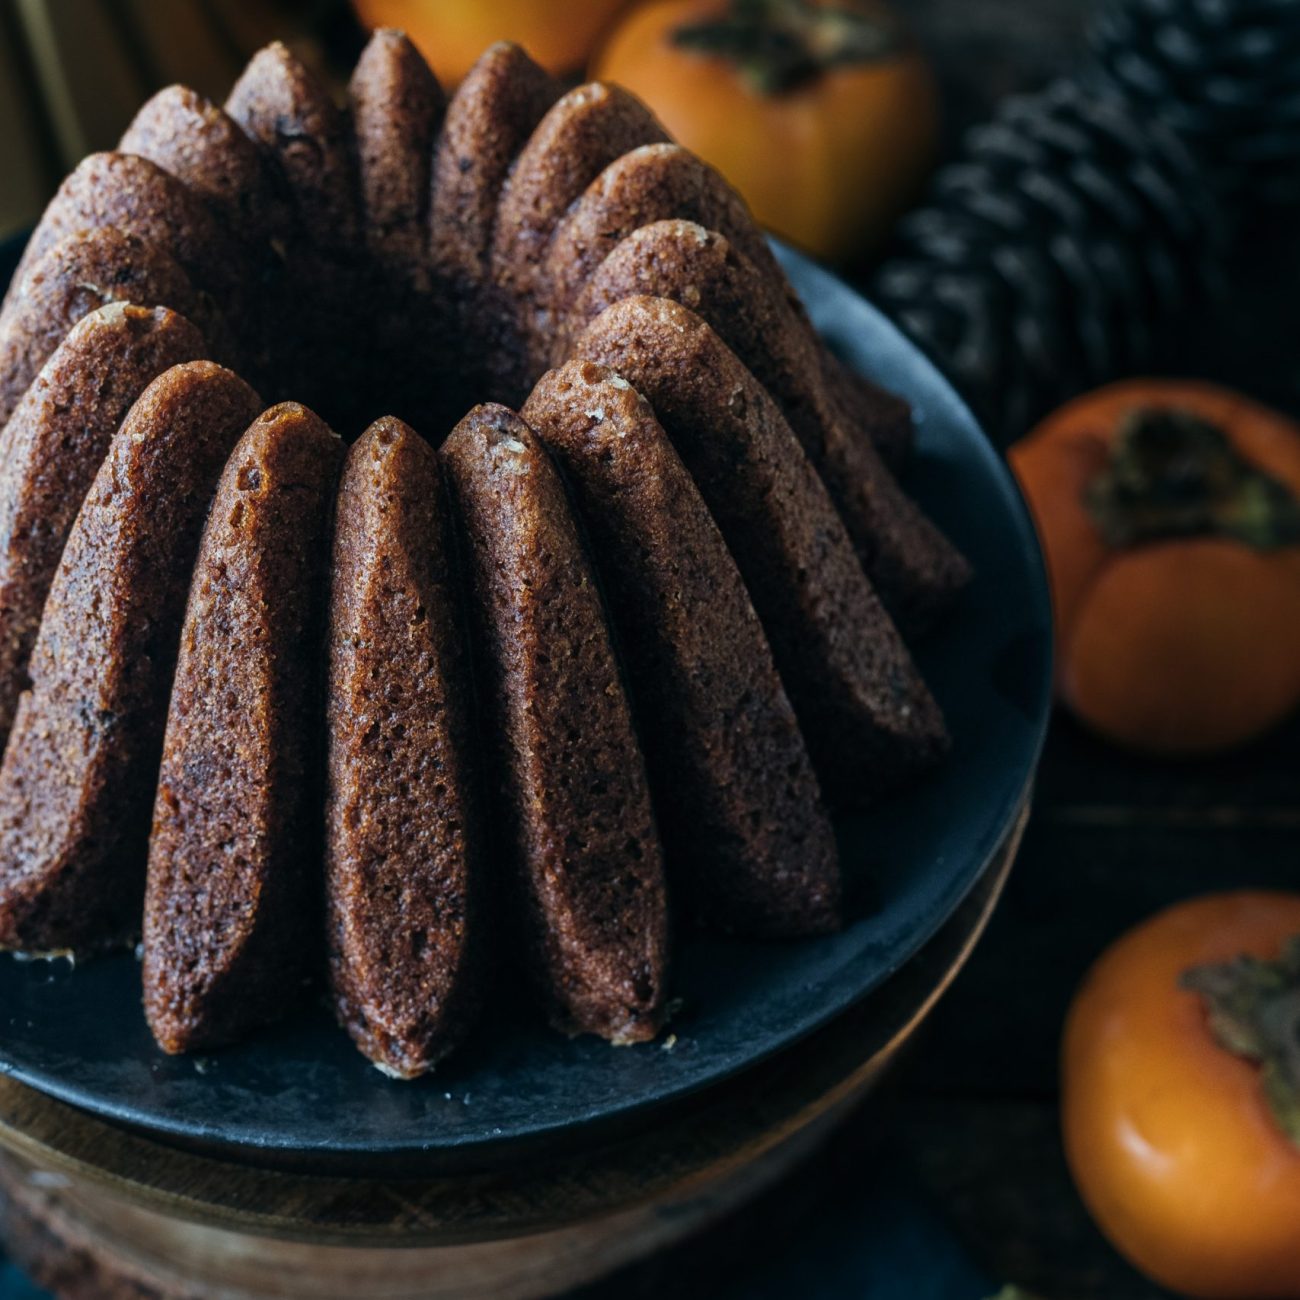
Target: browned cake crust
(659, 182)
(199, 144)
(397, 106)
(78, 775)
(136, 197)
(195, 141)
(489, 119)
(51, 449)
(865, 712)
(322, 350)
(572, 781)
(72, 279)
(579, 137)
(738, 802)
(491, 115)
(404, 855)
(283, 108)
(882, 416)
(913, 566)
(725, 600)
(655, 182)
(232, 909)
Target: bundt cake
(739, 804)
(81, 762)
(566, 767)
(229, 905)
(401, 708)
(405, 855)
(53, 444)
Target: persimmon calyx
(778, 45)
(1253, 1008)
(1172, 474)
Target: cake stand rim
(642, 1110)
(781, 1097)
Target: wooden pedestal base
(97, 1213)
(84, 1245)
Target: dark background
(953, 1181)
(966, 1140)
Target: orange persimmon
(824, 116)
(1169, 513)
(1179, 1093)
(451, 34)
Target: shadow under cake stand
(93, 1210)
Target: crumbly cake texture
(123, 192)
(683, 641)
(659, 182)
(86, 271)
(196, 142)
(663, 181)
(738, 802)
(78, 776)
(405, 859)
(233, 900)
(584, 132)
(866, 714)
(913, 566)
(49, 452)
(568, 774)
(310, 311)
(281, 106)
(397, 107)
(654, 182)
(488, 121)
(871, 411)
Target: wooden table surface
(969, 1127)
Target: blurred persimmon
(451, 34)
(824, 116)
(1180, 1084)
(1170, 516)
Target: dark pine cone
(1224, 75)
(1053, 253)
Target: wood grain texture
(1113, 839)
(123, 1197)
(724, 1129)
(86, 1246)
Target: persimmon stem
(1172, 474)
(778, 45)
(1253, 1007)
